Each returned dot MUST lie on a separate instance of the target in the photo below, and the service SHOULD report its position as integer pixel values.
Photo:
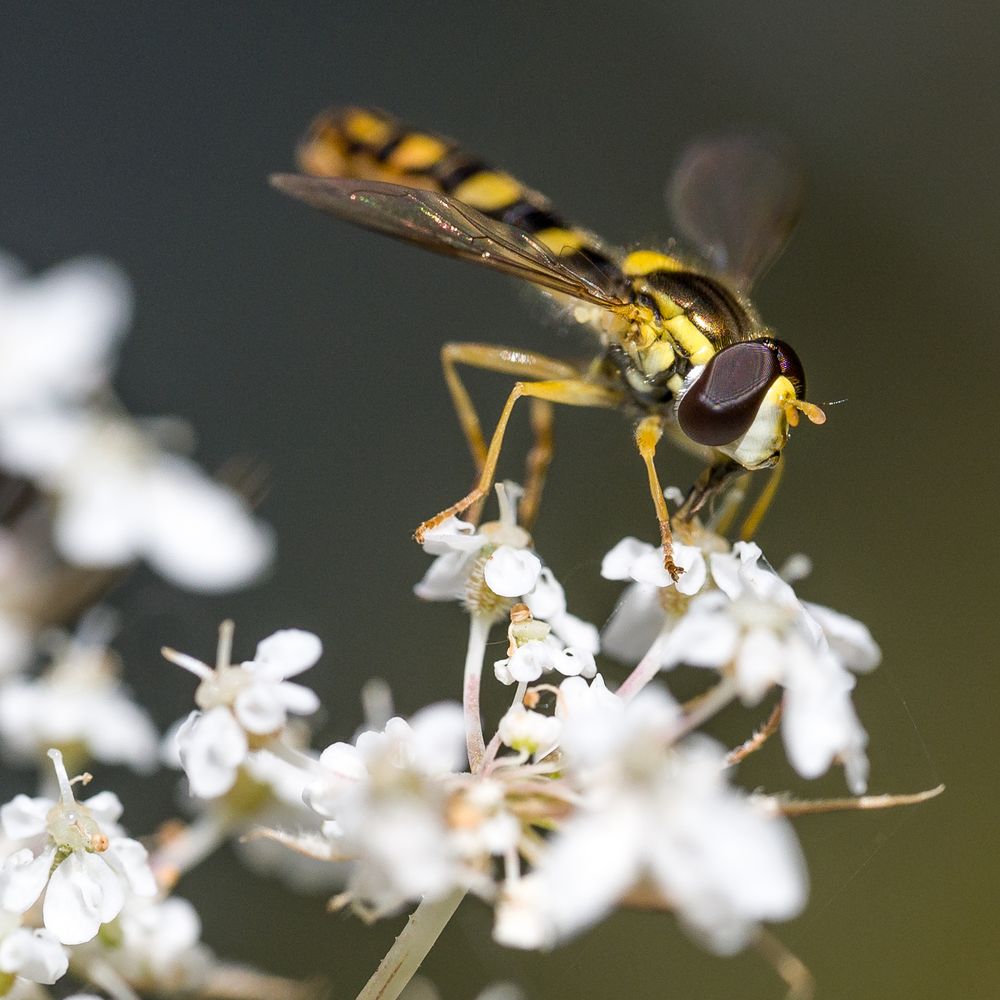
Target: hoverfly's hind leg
(510, 361)
(647, 436)
(570, 392)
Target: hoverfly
(682, 349)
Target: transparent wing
(736, 197)
(446, 226)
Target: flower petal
(34, 954)
(83, 893)
(293, 650)
(511, 572)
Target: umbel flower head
(740, 618)
(76, 854)
(241, 707)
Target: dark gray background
(146, 133)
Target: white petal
(445, 578)
(24, 817)
(292, 650)
(199, 534)
(689, 558)
(759, 664)
(547, 599)
(298, 699)
(34, 954)
(634, 624)
(211, 747)
(23, 878)
(530, 661)
(602, 845)
(452, 535)
(576, 632)
(512, 572)
(438, 738)
(106, 808)
(849, 639)
(260, 709)
(131, 859)
(102, 521)
(573, 662)
(649, 569)
(83, 893)
(617, 564)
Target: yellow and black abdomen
(372, 145)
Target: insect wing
(446, 226)
(736, 197)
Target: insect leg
(647, 436)
(752, 522)
(570, 392)
(525, 364)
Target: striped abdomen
(368, 144)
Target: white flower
(79, 703)
(537, 656)
(752, 626)
(664, 814)
(32, 954)
(59, 331)
(640, 614)
(528, 731)
(638, 561)
(160, 949)
(120, 498)
(547, 601)
(238, 704)
(74, 853)
(285, 810)
(386, 806)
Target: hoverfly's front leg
(707, 486)
(510, 361)
(570, 392)
(647, 436)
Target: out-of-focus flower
(59, 331)
(156, 947)
(527, 731)
(385, 805)
(661, 813)
(36, 955)
(119, 498)
(73, 852)
(242, 704)
(80, 706)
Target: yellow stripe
(691, 340)
(560, 241)
(417, 151)
(366, 128)
(488, 191)
(323, 151)
(641, 262)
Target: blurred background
(145, 133)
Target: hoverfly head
(744, 400)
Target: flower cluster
(589, 794)
(87, 491)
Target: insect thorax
(688, 317)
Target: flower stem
(409, 950)
(479, 630)
(644, 671)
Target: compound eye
(722, 403)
